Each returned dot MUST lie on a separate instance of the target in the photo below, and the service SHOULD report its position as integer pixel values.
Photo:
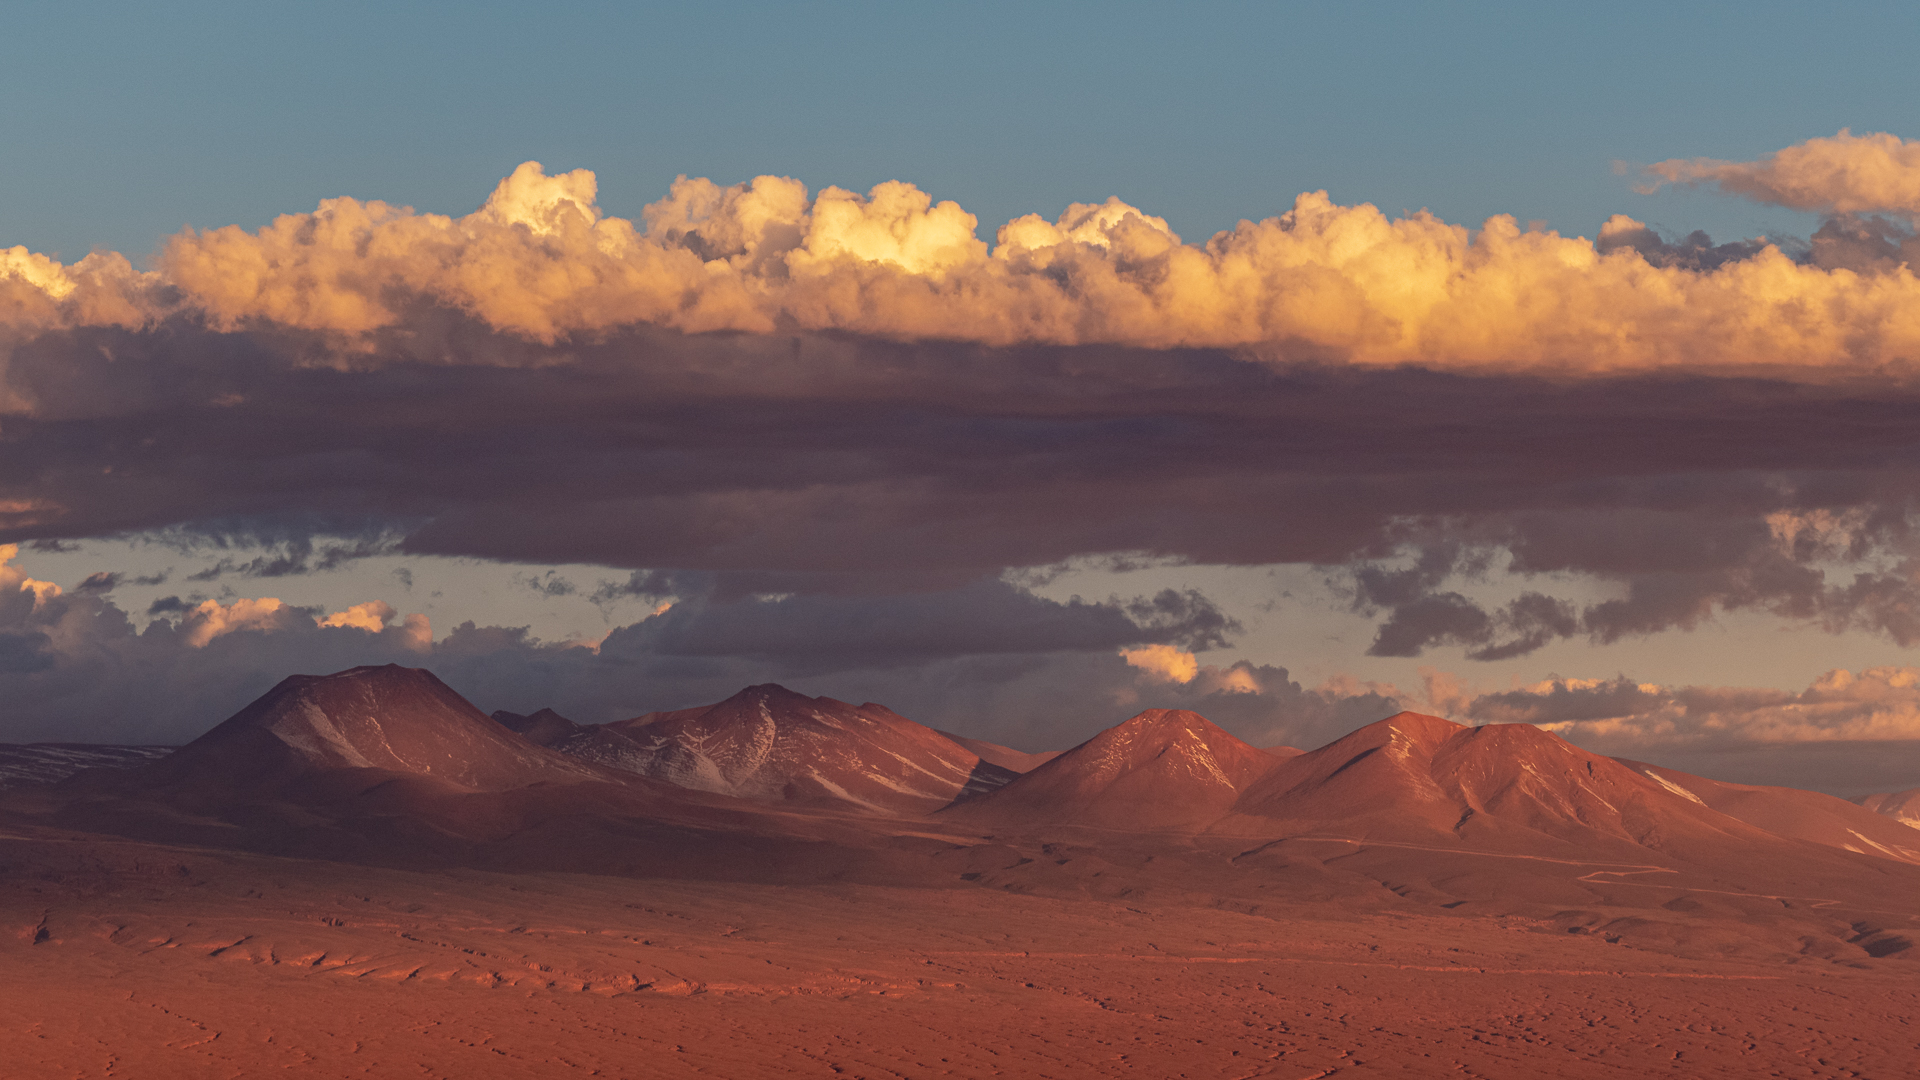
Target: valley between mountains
(365, 874)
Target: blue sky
(127, 121)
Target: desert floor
(142, 960)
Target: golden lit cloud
(12, 579)
(211, 619)
(1163, 663)
(1622, 716)
(1846, 174)
(540, 261)
(372, 616)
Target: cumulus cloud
(72, 665)
(758, 390)
(210, 618)
(372, 616)
(540, 262)
(1626, 717)
(1846, 174)
(1163, 663)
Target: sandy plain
(139, 959)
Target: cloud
(1163, 663)
(759, 390)
(815, 465)
(1842, 568)
(210, 618)
(550, 585)
(807, 634)
(372, 616)
(1845, 174)
(1625, 717)
(988, 660)
(72, 665)
(539, 262)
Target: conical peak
(1422, 723)
(1154, 731)
(769, 692)
(388, 717)
(1166, 720)
(1517, 736)
(1408, 730)
(356, 682)
(376, 673)
(1165, 735)
(1166, 716)
(1161, 769)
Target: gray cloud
(550, 584)
(1694, 251)
(73, 667)
(818, 464)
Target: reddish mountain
(391, 719)
(1165, 769)
(1901, 806)
(1008, 758)
(543, 728)
(770, 744)
(1420, 779)
(1802, 815)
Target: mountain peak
(542, 728)
(1165, 720)
(1160, 769)
(387, 717)
(1423, 727)
(771, 744)
(769, 690)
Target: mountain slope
(390, 719)
(543, 728)
(1801, 815)
(1901, 806)
(1018, 761)
(1512, 787)
(770, 744)
(1165, 769)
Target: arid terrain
(362, 875)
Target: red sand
(136, 960)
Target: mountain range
(1409, 779)
(370, 844)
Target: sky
(1016, 366)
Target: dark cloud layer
(825, 464)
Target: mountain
(1802, 815)
(1165, 769)
(543, 728)
(1901, 806)
(1013, 760)
(388, 719)
(1419, 779)
(770, 744)
(45, 763)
